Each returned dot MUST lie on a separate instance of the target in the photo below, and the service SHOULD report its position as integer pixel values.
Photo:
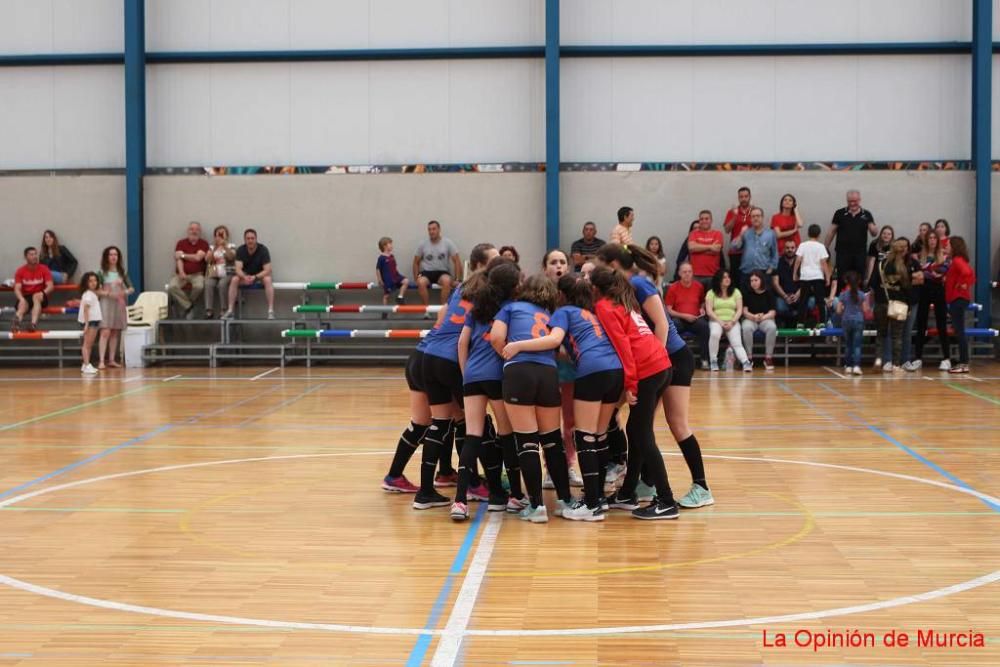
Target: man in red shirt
(737, 219)
(685, 303)
(189, 281)
(705, 247)
(32, 286)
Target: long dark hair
(576, 291)
(630, 257)
(614, 285)
(477, 285)
(539, 290)
(501, 284)
(106, 262)
(477, 258)
(659, 253)
(852, 278)
(717, 283)
(44, 249)
(958, 248)
(85, 280)
(512, 250)
(795, 203)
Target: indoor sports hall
(499, 332)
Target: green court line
(74, 408)
(111, 510)
(972, 392)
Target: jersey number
(541, 326)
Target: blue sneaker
(696, 497)
(535, 514)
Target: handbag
(898, 310)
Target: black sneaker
(630, 503)
(657, 510)
(497, 503)
(425, 501)
(400, 298)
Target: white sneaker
(580, 512)
(887, 368)
(857, 370)
(878, 363)
(270, 314)
(574, 478)
(945, 365)
(89, 370)
(547, 482)
(916, 364)
(847, 370)
(908, 367)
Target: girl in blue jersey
(643, 270)
(530, 382)
(420, 421)
(442, 379)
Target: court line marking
(379, 630)
(281, 405)
(450, 645)
(840, 375)
(264, 374)
(73, 408)
(172, 378)
(973, 392)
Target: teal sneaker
(644, 493)
(535, 514)
(696, 497)
(563, 506)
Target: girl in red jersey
(958, 284)
(647, 373)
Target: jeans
(814, 292)
(932, 294)
(58, 277)
(894, 337)
(767, 327)
(957, 310)
(853, 334)
(700, 330)
(911, 317)
(883, 344)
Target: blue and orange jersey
(483, 364)
(644, 288)
(585, 340)
(526, 321)
(443, 339)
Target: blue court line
(419, 651)
(802, 399)
(896, 443)
(128, 443)
(280, 405)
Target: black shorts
(30, 298)
(682, 363)
(491, 389)
(528, 383)
(442, 380)
(415, 371)
(603, 386)
(434, 276)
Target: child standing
(388, 275)
(852, 306)
(89, 318)
(812, 271)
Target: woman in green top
(723, 304)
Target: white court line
(450, 645)
(172, 377)
(131, 379)
(973, 377)
(264, 374)
(841, 376)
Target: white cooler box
(135, 339)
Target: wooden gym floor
(185, 516)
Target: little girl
(852, 306)
(89, 318)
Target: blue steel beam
(135, 135)
(982, 148)
(552, 123)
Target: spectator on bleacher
(934, 262)
(89, 317)
(511, 253)
(851, 225)
(188, 281)
(724, 305)
(387, 273)
(958, 293)
(923, 231)
(813, 275)
(788, 293)
(787, 221)
(759, 246)
(853, 306)
(759, 311)
(685, 303)
(58, 258)
(32, 287)
(584, 249)
(943, 230)
(437, 262)
(655, 247)
(622, 232)
(737, 219)
(705, 247)
(896, 284)
(684, 253)
(913, 301)
(220, 270)
(877, 252)
(253, 267)
(115, 288)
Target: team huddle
(554, 355)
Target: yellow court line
(808, 525)
(184, 522)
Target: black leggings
(642, 452)
(932, 294)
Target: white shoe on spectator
(89, 370)
(887, 368)
(908, 366)
(878, 363)
(945, 365)
(270, 314)
(857, 370)
(917, 364)
(847, 370)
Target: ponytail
(614, 285)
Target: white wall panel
(250, 114)
(496, 22)
(61, 26)
(403, 23)
(178, 25)
(250, 24)
(762, 21)
(179, 115)
(62, 118)
(766, 109)
(410, 114)
(330, 113)
(329, 24)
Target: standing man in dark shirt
(583, 250)
(851, 225)
(253, 266)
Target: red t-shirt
(783, 223)
(641, 352)
(685, 300)
(32, 280)
(188, 248)
(705, 263)
(959, 273)
(742, 219)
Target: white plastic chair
(149, 308)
